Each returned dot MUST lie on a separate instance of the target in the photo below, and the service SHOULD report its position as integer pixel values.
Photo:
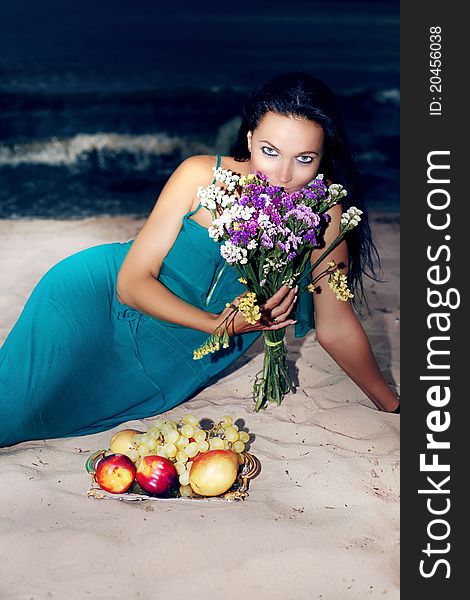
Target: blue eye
(305, 162)
(265, 150)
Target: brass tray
(239, 490)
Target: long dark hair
(302, 95)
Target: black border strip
(434, 212)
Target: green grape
(182, 442)
(217, 443)
(186, 491)
(142, 449)
(180, 467)
(227, 445)
(189, 464)
(231, 434)
(133, 454)
(165, 429)
(191, 420)
(187, 430)
(239, 446)
(181, 456)
(184, 478)
(199, 435)
(234, 426)
(172, 436)
(151, 444)
(157, 423)
(244, 437)
(154, 434)
(137, 439)
(192, 449)
(226, 421)
(170, 450)
(161, 452)
(171, 423)
(137, 463)
(203, 446)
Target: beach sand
(322, 517)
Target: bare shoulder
(198, 168)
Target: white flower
(234, 254)
(227, 177)
(252, 244)
(215, 233)
(351, 217)
(335, 190)
(263, 220)
(213, 195)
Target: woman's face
(288, 150)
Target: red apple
(115, 473)
(213, 472)
(156, 475)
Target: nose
(284, 173)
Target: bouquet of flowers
(268, 235)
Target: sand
(321, 520)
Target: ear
(248, 137)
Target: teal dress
(78, 361)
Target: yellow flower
(249, 309)
(311, 287)
(212, 344)
(338, 282)
(331, 263)
(245, 179)
(242, 280)
(236, 226)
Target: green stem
(331, 247)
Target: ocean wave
(74, 150)
(392, 95)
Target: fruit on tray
(115, 473)
(213, 472)
(156, 475)
(182, 444)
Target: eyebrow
(299, 154)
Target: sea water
(100, 101)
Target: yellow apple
(213, 472)
(121, 441)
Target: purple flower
(266, 241)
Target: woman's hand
(274, 313)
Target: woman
(108, 333)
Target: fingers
(276, 326)
(277, 297)
(282, 311)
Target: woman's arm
(339, 331)
(137, 285)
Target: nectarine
(156, 475)
(115, 473)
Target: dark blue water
(99, 101)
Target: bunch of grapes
(181, 442)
